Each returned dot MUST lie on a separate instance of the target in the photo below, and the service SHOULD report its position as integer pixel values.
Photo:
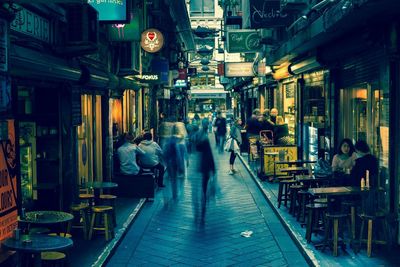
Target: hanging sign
(8, 181)
(243, 41)
(267, 13)
(152, 40)
(111, 10)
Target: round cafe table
(35, 245)
(47, 217)
(98, 188)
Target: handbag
(228, 144)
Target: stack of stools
(54, 258)
(81, 215)
(283, 190)
(102, 221)
(109, 200)
(316, 214)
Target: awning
(31, 64)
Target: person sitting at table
(152, 157)
(364, 161)
(127, 154)
(344, 159)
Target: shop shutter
(361, 69)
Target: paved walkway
(171, 232)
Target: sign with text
(152, 40)
(267, 13)
(8, 182)
(111, 10)
(180, 84)
(239, 69)
(149, 77)
(30, 23)
(243, 41)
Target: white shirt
(153, 153)
(127, 157)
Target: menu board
(286, 153)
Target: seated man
(127, 154)
(152, 156)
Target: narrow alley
(171, 232)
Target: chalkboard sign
(76, 108)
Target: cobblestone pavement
(174, 231)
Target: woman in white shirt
(344, 159)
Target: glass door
(357, 115)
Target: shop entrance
(356, 115)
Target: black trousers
(232, 158)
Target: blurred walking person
(206, 161)
(175, 156)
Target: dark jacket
(253, 126)
(206, 159)
(367, 162)
(220, 124)
(280, 131)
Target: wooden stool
(66, 235)
(108, 227)
(294, 189)
(87, 198)
(349, 206)
(335, 218)
(109, 200)
(380, 215)
(53, 258)
(304, 197)
(315, 211)
(283, 191)
(81, 213)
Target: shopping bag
(228, 144)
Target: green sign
(243, 41)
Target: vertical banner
(8, 180)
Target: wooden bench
(135, 186)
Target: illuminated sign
(149, 77)
(111, 10)
(180, 83)
(152, 40)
